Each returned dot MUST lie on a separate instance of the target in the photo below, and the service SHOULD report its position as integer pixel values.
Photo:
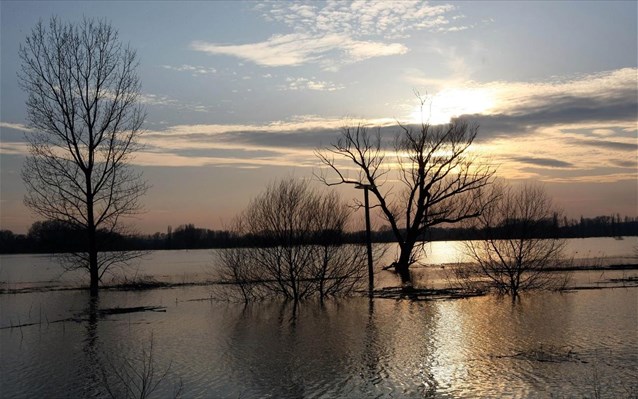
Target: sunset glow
(451, 103)
(245, 93)
(318, 199)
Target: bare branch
(518, 246)
(82, 103)
(439, 178)
(296, 248)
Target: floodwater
(582, 343)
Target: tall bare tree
(83, 107)
(439, 178)
(520, 247)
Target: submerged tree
(83, 108)
(295, 248)
(439, 178)
(520, 246)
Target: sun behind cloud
(453, 102)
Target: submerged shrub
(294, 246)
(520, 249)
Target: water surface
(545, 345)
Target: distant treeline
(58, 237)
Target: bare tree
(295, 246)
(439, 178)
(520, 246)
(83, 107)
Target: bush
(296, 246)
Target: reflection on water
(540, 346)
(58, 343)
(26, 271)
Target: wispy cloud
(10, 134)
(544, 162)
(293, 49)
(594, 177)
(279, 143)
(14, 126)
(625, 163)
(631, 146)
(310, 84)
(337, 33)
(148, 158)
(192, 69)
(14, 148)
(155, 99)
(159, 100)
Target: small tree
(439, 178)
(519, 245)
(83, 107)
(294, 247)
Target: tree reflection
(121, 375)
(370, 357)
(91, 348)
(353, 348)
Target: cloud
(625, 163)
(279, 143)
(603, 132)
(545, 162)
(337, 33)
(310, 84)
(503, 107)
(15, 126)
(605, 100)
(154, 99)
(577, 128)
(148, 158)
(11, 133)
(389, 19)
(593, 178)
(612, 145)
(358, 50)
(300, 48)
(158, 100)
(14, 148)
(565, 130)
(193, 70)
(583, 124)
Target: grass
(136, 283)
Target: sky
(240, 94)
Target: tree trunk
(93, 265)
(402, 267)
(94, 271)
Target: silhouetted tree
(296, 246)
(519, 244)
(13, 243)
(83, 108)
(187, 236)
(439, 178)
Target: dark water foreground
(573, 344)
